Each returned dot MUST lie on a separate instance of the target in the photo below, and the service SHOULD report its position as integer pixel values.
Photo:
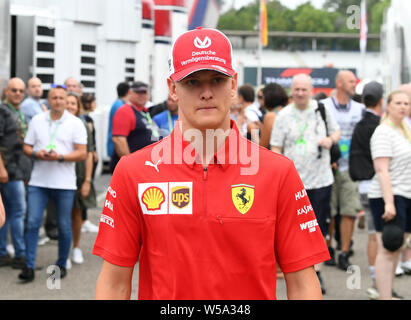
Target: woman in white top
(390, 191)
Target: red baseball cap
(200, 49)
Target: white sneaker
(43, 240)
(10, 250)
(89, 227)
(77, 256)
(399, 271)
(68, 264)
(406, 266)
(372, 293)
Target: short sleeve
(124, 122)
(299, 242)
(277, 133)
(119, 237)
(251, 115)
(30, 137)
(331, 122)
(80, 134)
(381, 146)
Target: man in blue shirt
(122, 92)
(33, 105)
(167, 119)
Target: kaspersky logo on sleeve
(166, 198)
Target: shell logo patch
(243, 197)
(153, 198)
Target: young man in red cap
(203, 218)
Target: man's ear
(234, 85)
(172, 88)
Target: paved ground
(81, 279)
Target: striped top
(389, 142)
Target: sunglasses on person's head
(14, 90)
(55, 85)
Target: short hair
(86, 100)
(246, 91)
(274, 96)
(122, 89)
(55, 88)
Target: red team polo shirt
(208, 234)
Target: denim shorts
(402, 207)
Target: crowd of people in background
(351, 151)
(366, 178)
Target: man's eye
(191, 82)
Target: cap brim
(178, 76)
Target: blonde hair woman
(390, 191)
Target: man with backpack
(302, 135)
(345, 202)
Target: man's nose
(206, 91)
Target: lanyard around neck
(302, 126)
(21, 117)
(338, 106)
(52, 134)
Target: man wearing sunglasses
(133, 127)
(14, 171)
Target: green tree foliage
(306, 18)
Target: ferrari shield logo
(243, 197)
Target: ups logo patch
(180, 197)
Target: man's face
(139, 99)
(348, 83)
(34, 89)
(204, 99)
(301, 91)
(172, 105)
(15, 92)
(58, 100)
(72, 86)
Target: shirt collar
(139, 109)
(226, 155)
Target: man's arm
(114, 282)
(4, 176)
(121, 146)
(277, 149)
(381, 166)
(327, 142)
(303, 285)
